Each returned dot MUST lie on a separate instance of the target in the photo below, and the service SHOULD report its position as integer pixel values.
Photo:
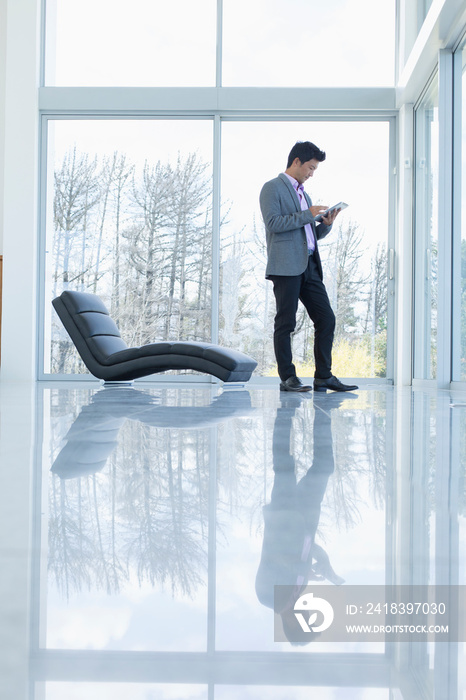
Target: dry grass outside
(350, 359)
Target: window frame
(458, 152)
(218, 104)
(218, 119)
(421, 253)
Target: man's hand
(328, 220)
(317, 209)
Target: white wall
(20, 188)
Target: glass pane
(116, 43)
(354, 254)
(423, 9)
(459, 360)
(129, 218)
(426, 237)
(295, 43)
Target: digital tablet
(340, 205)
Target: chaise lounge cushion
(107, 356)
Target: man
(293, 227)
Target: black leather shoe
(333, 384)
(294, 384)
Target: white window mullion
(216, 230)
(457, 350)
(445, 218)
(219, 49)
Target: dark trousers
(310, 290)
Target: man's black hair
(305, 150)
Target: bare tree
(76, 193)
(122, 172)
(150, 202)
(377, 303)
(344, 280)
(169, 249)
(75, 197)
(188, 236)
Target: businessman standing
(293, 227)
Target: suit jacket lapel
(292, 191)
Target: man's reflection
(290, 555)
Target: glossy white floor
(142, 531)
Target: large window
(459, 212)
(155, 43)
(426, 236)
(150, 189)
(354, 254)
(130, 219)
(298, 43)
(143, 43)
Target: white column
(406, 31)
(404, 247)
(445, 219)
(20, 177)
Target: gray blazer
(284, 221)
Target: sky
(336, 43)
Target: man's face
(305, 170)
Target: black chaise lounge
(107, 356)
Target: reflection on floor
(143, 530)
